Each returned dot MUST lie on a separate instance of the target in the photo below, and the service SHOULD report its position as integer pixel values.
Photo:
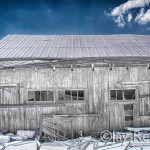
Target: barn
(76, 84)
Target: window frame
(124, 100)
(43, 102)
(71, 89)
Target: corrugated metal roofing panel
(89, 42)
(45, 52)
(63, 42)
(61, 52)
(85, 51)
(131, 51)
(117, 51)
(77, 52)
(56, 43)
(24, 49)
(69, 52)
(53, 52)
(102, 52)
(37, 53)
(69, 42)
(93, 52)
(74, 46)
(24, 52)
(76, 42)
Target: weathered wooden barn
(85, 83)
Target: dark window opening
(113, 95)
(43, 96)
(128, 118)
(129, 94)
(40, 96)
(71, 95)
(74, 95)
(122, 94)
(81, 95)
(119, 95)
(67, 95)
(61, 95)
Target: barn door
(122, 100)
(117, 120)
(121, 115)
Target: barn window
(128, 111)
(40, 96)
(128, 94)
(71, 95)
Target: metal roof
(73, 46)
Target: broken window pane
(119, 95)
(61, 95)
(113, 94)
(74, 95)
(50, 96)
(68, 95)
(122, 94)
(129, 94)
(71, 95)
(80, 95)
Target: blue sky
(72, 17)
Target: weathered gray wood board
(97, 85)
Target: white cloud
(143, 18)
(123, 8)
(120, 21)
(129, 17)
(119, 13)
(138, 17)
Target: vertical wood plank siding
(97, 85)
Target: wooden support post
(18, 91)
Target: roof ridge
(72, 34)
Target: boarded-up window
(9, 94)
(40, 96)
(71, 95)
(128, 94)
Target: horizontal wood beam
(32, 105)
(134, 82)
(74, 115)
(8, 84)
(80, 61)
(144, 96)
(77, 58)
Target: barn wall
(97, 85)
